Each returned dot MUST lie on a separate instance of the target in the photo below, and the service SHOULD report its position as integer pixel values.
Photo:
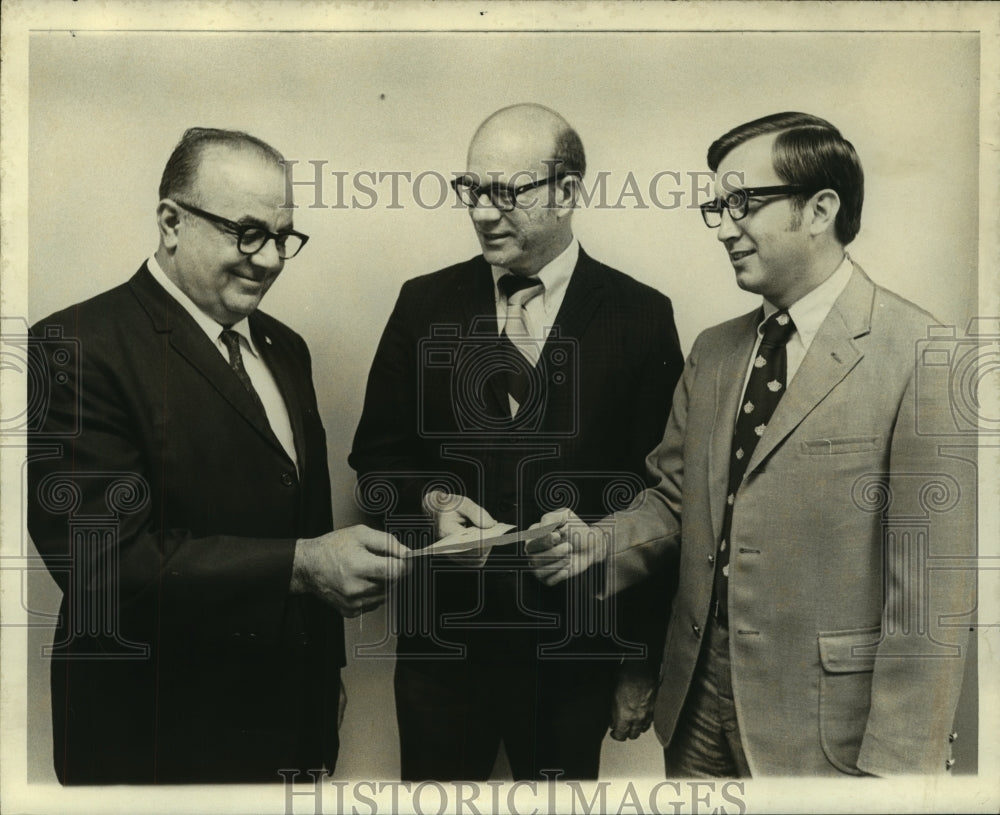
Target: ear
(567, 192)
(821, 212)
(168, 220)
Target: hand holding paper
(350, 568)
(569, 549)
(457, 515)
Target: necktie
(231, 339)
(764, 390)
(515, 335)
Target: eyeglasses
(251, 238)
(502, 196)
(738, 202)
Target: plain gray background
(105, 110)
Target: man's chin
(240, 307)
(496, 257)
(748, 281)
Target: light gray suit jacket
(847, 584)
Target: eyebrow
(250, 220)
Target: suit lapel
(583, 295)
(281, 369)
(729, 376)
(191, 343)
(831, 356)
(476, 296)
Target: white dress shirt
(260, 375)
(541, 311)
(808, 314)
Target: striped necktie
(231, 339)
(516, 337)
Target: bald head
(532, 136)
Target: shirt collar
(554, 276)
(810, 310)
(206, 323)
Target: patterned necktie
(515, 336)
(764, 390)
(231, 339)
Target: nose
(484, 211)
(728, 230)
(267, 257)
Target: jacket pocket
(847, 659)
(832, 447)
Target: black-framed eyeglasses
(738, 202)
(502, 196)
(251, 238)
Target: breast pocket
(848, 661)
(839, 446)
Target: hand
(456, 513)
(567, 551)
(341, 705)
(350, 568)
(632, 706)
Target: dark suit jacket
(851, 575)
(435, 415)
(167, 512)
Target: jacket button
(949, 763)
(287, 480)
(952, 737)
(711, 558)
(696, 629)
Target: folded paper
(477, 539)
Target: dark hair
(182, 166)
(808, 151)
(568, 152)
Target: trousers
(706, 741)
